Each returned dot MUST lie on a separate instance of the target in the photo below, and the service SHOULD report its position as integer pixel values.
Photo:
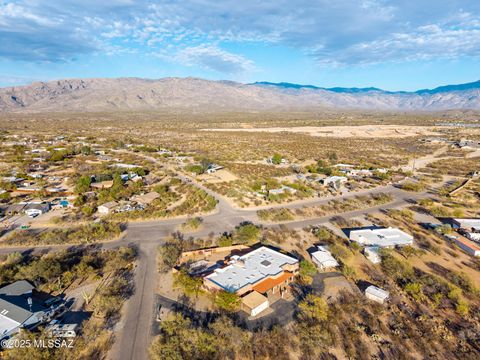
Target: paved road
(134, 335)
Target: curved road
(135, 329)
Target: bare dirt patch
(218, 177)
(363, 131)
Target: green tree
(225, 240)
(313, 309)
(462, 307)
(246, 234)
(5, 197)
(190, 285)
(333, 157)
(205, 164)
(82, 184)
(277, 159)
(227, 301)
(170, 253)
(307, 268)
(117, 188)
(414, 289)
(86, 150)
(408, 251)
(88, 210)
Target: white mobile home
(376, 294)
(323, 258)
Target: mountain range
(107, 94)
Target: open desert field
(363, 131)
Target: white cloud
(213, 58)
(333, 32)
(427, 42)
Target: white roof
(468, 223)
(377, 292)
(7, 325)
(250, 268)
(324, 257)
(335, 178)
(383, 237)
(109, 205)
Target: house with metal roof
(381, 237)
(22, 307)
(376, 294)
(468, 227)
(323, 258)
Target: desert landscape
(239, 180)
(346, 132)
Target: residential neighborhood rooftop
(468, 223)
(323, 258)
(382, 237)
(250, 269)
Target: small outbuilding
(254, 303)
(108, 207)
(376, 294)
(323, 258)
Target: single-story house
(334, 181)
(12, 179)
(22, 307)
(254, 303)
(145, 199)
(107, 208)
(466, 224)
(468, 227)
(102, 184)
(468, 246)
(469, 144)
(376, 294)
(28, 189)
(125, 166)
(212, 168)
(14, 209)
(323, 258)
(358, 172)
(381, 237)
(265, 270)
(36, 209)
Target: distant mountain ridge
(440, 89)
(287, 85)
(205, 95)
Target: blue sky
(394, 45)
